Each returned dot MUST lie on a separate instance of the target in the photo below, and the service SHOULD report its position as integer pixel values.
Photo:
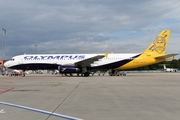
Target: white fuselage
(67, 59)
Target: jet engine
(68, 69)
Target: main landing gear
(86, 74)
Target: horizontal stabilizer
(166, 56)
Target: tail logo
(159, 44)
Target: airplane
(169, 69)
(84, 63)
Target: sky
(87, 26)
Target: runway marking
(2, 111)
(40, 111)
(2, 92)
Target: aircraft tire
(86, 74)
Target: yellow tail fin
(158, 46)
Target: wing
(89, 61)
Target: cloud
(90, 26)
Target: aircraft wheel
(86, 74)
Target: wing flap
(87, 62)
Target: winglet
(106, 55)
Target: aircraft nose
(6, 64)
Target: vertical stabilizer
(158, 46)
(164, 66)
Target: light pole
(35, 48)
(3, 44)
(3, 69)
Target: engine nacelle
(68, 69)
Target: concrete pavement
(137, 96)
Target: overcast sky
(87, 26)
